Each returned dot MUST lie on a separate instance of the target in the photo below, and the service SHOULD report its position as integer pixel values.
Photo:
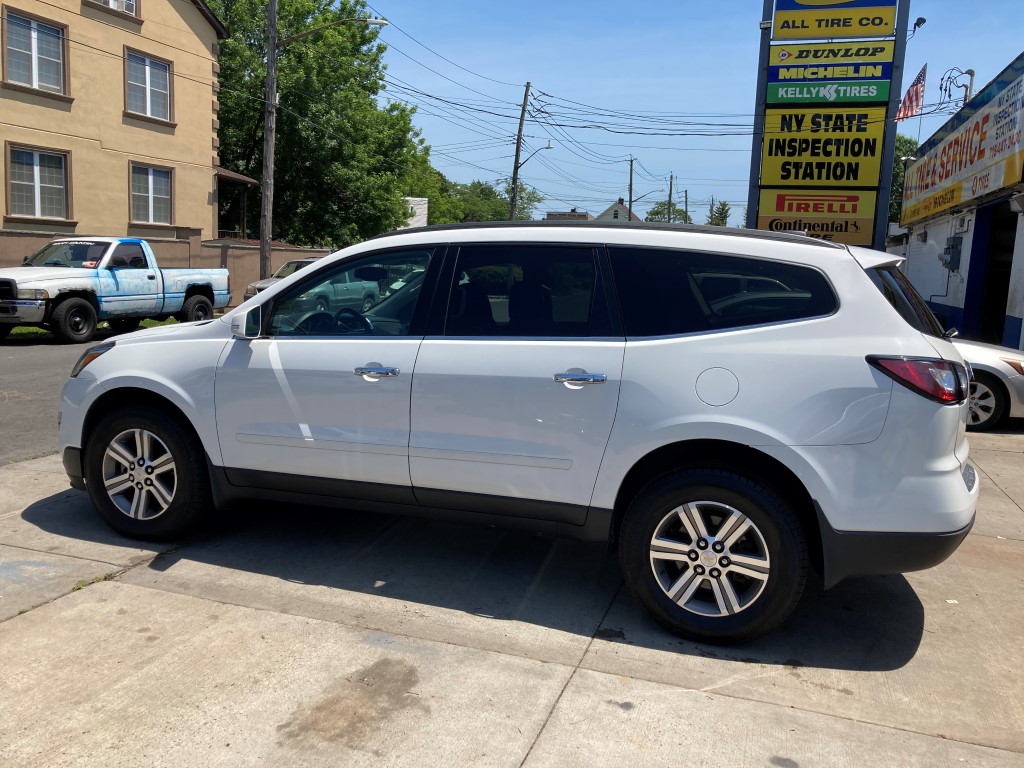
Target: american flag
(914, 98)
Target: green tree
(660, 210)
(718, 213)
(341, 157)
(483, 201)
(905, 147)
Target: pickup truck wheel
(146, 475)
(74, 321)
(195, 308)
(713, 556)
(124, 324)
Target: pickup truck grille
(8, 289)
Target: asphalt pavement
(287, 637)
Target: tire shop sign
(803, 19)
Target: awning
(224, 173)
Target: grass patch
(31, 330)
(105, 577)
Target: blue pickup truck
(69, 285)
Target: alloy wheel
(982, 404)
(709, 558)
(139, 474)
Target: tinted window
(665, 292)
(346, 299)
(128, 256)
(526, 290)
(898, 291)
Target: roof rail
(789, 237)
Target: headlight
(32, 294)
(89, 355)
(1017, 365)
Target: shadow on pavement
(869, 624)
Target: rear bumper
(855, 553)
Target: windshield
(79, 253)
(290, 268)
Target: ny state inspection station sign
(823, 146)
(833, 19)
(857, 72)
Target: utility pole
(269, 130)
(514, 193)
(686, 204)
(670, 198)
(629, 209)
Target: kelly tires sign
(845, 216)
(833, 73)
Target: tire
(164, 500)
(368, 303)
(73, 321)
(988, 402)
(323, 304)
(124, 324)
(195, 308)
(766, 586)
(5, 331)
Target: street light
(514, 192)
(270, 122)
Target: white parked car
(997, 389)
(576, 380)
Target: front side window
(149, 86)
(151, 195)
(665, 292)
(38, 184)
(35, 53)
(128, 256)
(353, 298)
(526, 290)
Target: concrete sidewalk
(317, 639)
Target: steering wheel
(345, 317)
(317, 323)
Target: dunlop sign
(819, 146)
(830, 73)
(803, 19)
(844, 216)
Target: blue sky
(671, 61)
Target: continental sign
(803, 19)
(834, 147)
(982, 155)
(846, 216)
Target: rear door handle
(581, 378)
(374, 371)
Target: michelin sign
(834, 73)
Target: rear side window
(665, 292)
(898, 291)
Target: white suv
(728, 407)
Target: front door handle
(375, 371)
(151, 277)
(581, 378)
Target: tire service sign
(834, 73)
(803, 19)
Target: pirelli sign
(845, 216)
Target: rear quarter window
(905, 299)
(664, 292)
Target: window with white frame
(35, 53)
(149, 86)
(151, 195)
(125, 6)
(38, 184)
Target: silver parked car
(997, 390)
(286, 269)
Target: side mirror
(247, 325)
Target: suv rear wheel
(145, 474)
(713, 556)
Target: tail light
(940, 380)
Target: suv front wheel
(713, 556)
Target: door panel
(129, 285)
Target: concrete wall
(241, 261)
(100, 138)
(944, 290)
